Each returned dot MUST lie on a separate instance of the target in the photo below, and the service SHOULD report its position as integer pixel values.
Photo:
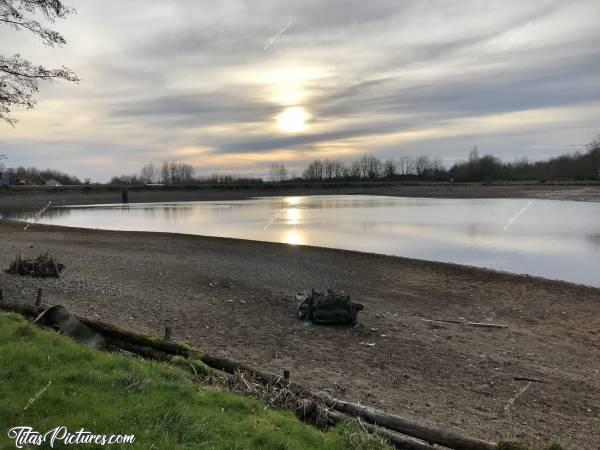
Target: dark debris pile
(327, 308)
(42, 266)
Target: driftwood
(471, 324)
(23, 309)
(458, 322)
(42, 266)
(409, 427)
(399, 431)
(59, 318)
(231, 366)
(533, 380)
(486, 325)
(111, 332)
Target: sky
(233, 86)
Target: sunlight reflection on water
(554, 239)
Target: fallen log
(395, 439)
(119, 339)
(408, 427)
(393, 427)
(23, 309)
(169, 347)
(140, 350)
(59, 318)
(111, 331)
(231, 366)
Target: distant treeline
(371, 168)
(575, 166)
(34, 175)
(176, 172)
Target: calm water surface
(553, 239)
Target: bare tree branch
(19, 78)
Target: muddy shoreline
(235, 298)
(37, 197)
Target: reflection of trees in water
(172, 212)
(594, 239)
(338, 203)
(30, 214)
(169, 213)
(8, 214)
(57, 212)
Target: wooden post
(168, 333)
(38, 300)
(286, 375)
(124, 196)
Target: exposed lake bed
(236, 298)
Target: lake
(552, 239)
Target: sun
(292, 120)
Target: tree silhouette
(19, 78)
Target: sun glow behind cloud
(292, 120)
(289, 86)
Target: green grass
(159, 404)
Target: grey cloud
(566, 81)
(196, 109)
(364, 45)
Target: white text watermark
(27, 436)
(273, 38)
(514, 218)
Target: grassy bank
(47, 380)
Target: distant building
(8, 179)
(53, 183)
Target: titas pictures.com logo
(27, 436)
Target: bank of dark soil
(235, 298)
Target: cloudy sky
(231, 86)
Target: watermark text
(27, 436)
